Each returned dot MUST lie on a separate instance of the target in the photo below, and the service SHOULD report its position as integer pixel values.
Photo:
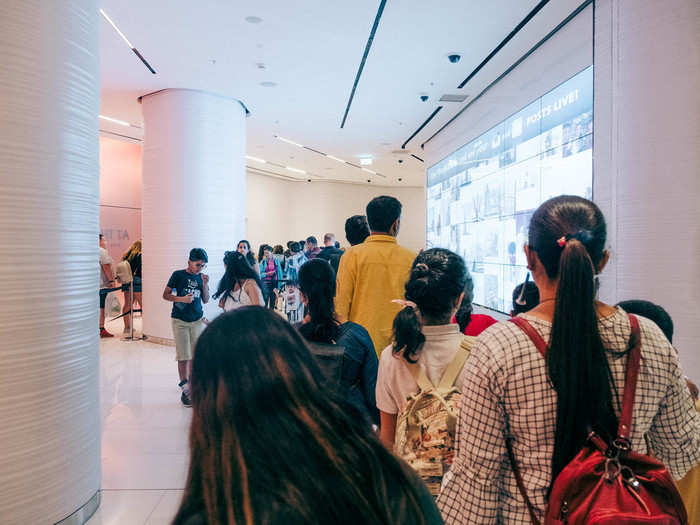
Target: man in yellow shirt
(374, 273)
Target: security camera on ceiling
(424, 98)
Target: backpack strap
(453, 369)
(541, 346)
(633, 364)
(533, 334)
(419, 376)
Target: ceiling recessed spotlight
(260, 65)
(253, 19)
(365, 161)
(256, 159)
(267, 83)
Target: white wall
(647, 157)
(279, 210)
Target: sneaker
(105, 333)
(185, 400)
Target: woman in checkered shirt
(545, 407)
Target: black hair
(295, 247)
(101, 236)
(278, 249)
(254, 380)
(464, 314)
(525, 299)
(311, 240)
(198, 254)
(261, 251)
(237, 271)
(356, 229)
(568, 234)
(651, 311)
(438, 277)
(382, 213)
(243, 241)
(317, 283)
(337, 245)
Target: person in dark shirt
(270, 445)
(311, 248)
(330, 252)
(360, 363)
(187, 289)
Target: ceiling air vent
(453, 98)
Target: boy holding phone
(187, 289)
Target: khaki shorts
(186, 335)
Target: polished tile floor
(144, 433)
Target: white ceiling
(312, 49)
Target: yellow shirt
(370, 276)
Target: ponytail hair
(317, 283)
(438, 277)
(568, 234)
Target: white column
(49, 378)
(193, 191)
(647, 157)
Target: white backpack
(425, 426)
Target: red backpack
(609, 483)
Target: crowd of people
(359, 385)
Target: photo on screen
(480, 199)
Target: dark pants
(268, 290)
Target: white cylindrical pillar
(647, 157)
(49, 347)
(193, 191)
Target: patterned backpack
(425, 426)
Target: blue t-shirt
(182, 283)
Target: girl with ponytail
(423, 333)
(317, 287)
(546, 407)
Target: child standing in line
(187, 289)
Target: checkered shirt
(505, 380)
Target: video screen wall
(481, 197)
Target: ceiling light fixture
(295, 170)
(116, 121)
(289, 141)
(365, 161)
(336, 159)
(126, 40)
(256, 159)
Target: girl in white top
(240, 285)
(423, 333)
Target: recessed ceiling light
(335, 159)
(256, 159)
(295, 170)
(267, 83)
(260, 65)
(253, 19)
(365, 161)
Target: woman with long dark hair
(317, 286)
(270, 446)
(547, 407)
(244, 249)
(240, 285)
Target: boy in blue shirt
(187, 289)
